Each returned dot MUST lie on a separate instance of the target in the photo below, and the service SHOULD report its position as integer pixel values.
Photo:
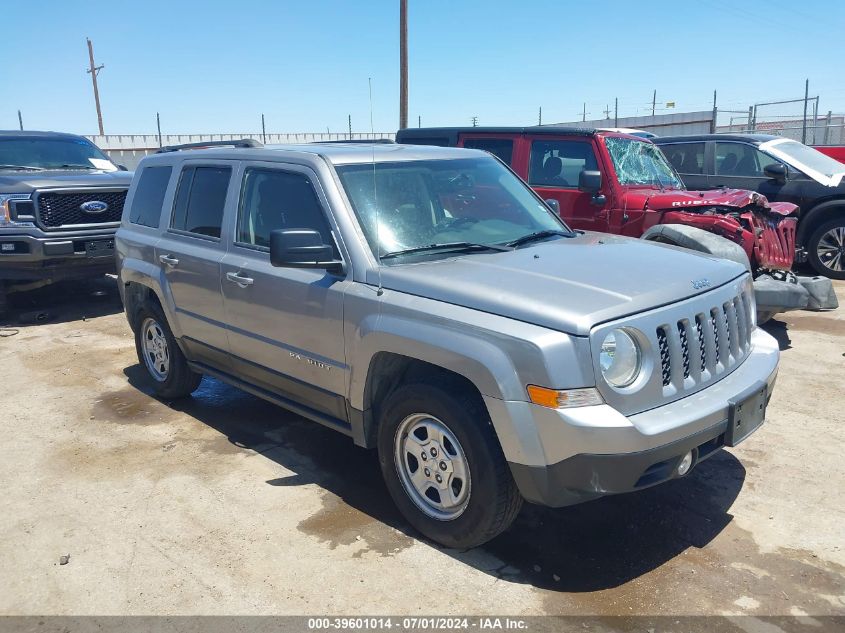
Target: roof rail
(368, 141)
(244, 142)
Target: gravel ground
(225, 504)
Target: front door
(740, 165)
(285, 324)
(554, 168)
(688, 159)
(189, 252)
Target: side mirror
(122, 168)
(776, 171)
(301, 248)
(553, 204)
(589, 181)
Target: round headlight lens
(620, 358)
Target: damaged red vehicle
(608, 181)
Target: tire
(826, 237)
(161, 357)
(484, 499)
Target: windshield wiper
(446, 246)
(68, 166)
(30, 167)
(539, 235)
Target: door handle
(236, 278)
(168, 259)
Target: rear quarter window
(149, 196)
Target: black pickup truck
(61, 199)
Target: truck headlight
(620, 358)
(6, 209)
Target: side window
(271, 200)
(739, 159)
(560, 163)
(686, 158)
(149, 196)
(200, 200)
(501, 147)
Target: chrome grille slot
(702, 348)
(665, 364)
(682, 334)
(714, 323)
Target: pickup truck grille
(61, 209)
(697, 349)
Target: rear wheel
(159, 354)
(826, 249)
(443, 465)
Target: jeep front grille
(55, 209)
(719, 339)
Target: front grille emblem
(94, 206)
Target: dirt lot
(226, 504)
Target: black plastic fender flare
(697, 240)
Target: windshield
(803, 156)
(413, 204)
(641, 163)
(35, 152)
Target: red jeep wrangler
(617, 183)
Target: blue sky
(215, 66)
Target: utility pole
(653, 102)
(263, 130)
(158, 126)
(616, 112)
(419, 120)
(584, 113)
(607, 112)
(403, 64)
(94, 70)
(713, 122)
(540, 117)
(804, 123)
(20, 120)
(475, 121)
(349, 121)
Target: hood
(679, 200)
(569, 285)
(28, 181)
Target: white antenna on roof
(380, 291)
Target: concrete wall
(129, 149)
(660, 124)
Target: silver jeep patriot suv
(426, 303)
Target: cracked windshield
(638, 163)
(420, 204)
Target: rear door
(688, 159)
(190, 251)
(554, 168)
(286, 324)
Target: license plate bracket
(746, 412)
(99, 248)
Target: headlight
(620, 358)
(6, 210)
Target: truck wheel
(826, 249)
(159, 354)
(443, 465)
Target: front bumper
(33, 255)
(563, 457)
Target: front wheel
(826, 249)
(443, 465)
